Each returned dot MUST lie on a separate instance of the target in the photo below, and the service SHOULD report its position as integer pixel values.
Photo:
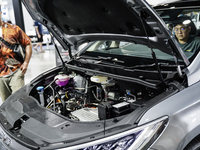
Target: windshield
(126, 53)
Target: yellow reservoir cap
(99, 79)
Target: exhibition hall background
(15, 11)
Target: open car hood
(75, 22)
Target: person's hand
(39, 35)
(24, 67)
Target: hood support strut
(153, 53)
(176, 60)
(63, 63)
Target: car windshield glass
(125, 53)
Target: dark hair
(186, 20)
(9, 21)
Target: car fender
(183, 109)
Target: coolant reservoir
(99, 79)
(62, 79)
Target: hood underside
(88, 16)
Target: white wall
(28, 21)
(10, 11)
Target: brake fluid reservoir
(61, 79)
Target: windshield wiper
(104, 58)
(110, 59)
(141, 66)
(104, 61)
(100, 58)
(167, 65)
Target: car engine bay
(82, 97)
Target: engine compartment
(84, 97)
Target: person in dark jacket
(186, 39)
(39, 33)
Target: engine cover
(86, 114)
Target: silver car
(126, 85)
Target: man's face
(182, 32)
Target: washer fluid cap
(62, 79)
(99, 79)
(40, 88)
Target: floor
(39, 63)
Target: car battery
(121, 108)
(105, 110)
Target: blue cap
(40, 88)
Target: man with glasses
(187, 40)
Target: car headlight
(138, 138)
